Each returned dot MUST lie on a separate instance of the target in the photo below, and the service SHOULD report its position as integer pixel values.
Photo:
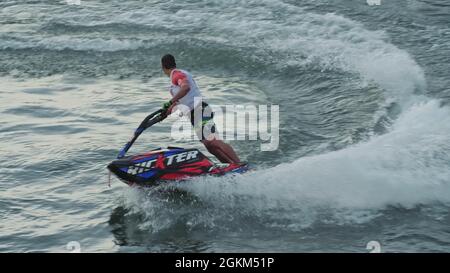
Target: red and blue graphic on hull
(169, 164)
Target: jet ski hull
(171, 164)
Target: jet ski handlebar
(149, 121)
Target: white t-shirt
(179, 77)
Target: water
(364, 101)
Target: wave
(407, 166)
(60, 43)
(404, 168)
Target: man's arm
(184, 89)
(181, 80)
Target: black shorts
(203, 126)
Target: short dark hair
(168, 61)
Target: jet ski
(166, 164)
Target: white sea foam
(407, 166)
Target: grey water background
(364, 150)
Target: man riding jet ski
(177, 163)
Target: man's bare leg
(217, 153)
(229, 151)
(221, 150)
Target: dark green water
(364, 151)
